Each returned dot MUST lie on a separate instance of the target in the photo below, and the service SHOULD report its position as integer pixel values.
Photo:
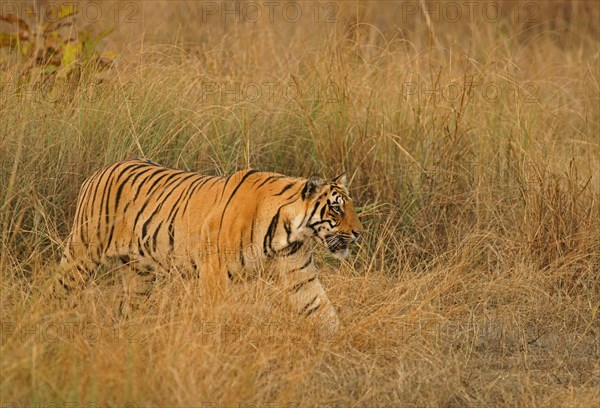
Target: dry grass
(478, 282)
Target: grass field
(471, 138)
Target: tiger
(154, 218)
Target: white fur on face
(342, 255)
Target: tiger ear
(341, 179)
(311, 187)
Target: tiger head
(332, 217)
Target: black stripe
(129, 168)
(104, 207)
(140, 249)
(88, 209)
(192, 190)
(298, 286)
(217, 178)
(308, 304)
(167, 182)
(304, 193)
(174, 209)
(166, 193)
(155, 236)
(171, 236)
(286, 188)
(171, 219)
(149, 178)
(157, 261)
(142, 273)
(64, 285)
(139, 174)
(268, 179)
(312, 213)
(314, 224)
(157, 180)
(267, 241)
(80, 213)
(110, 235)
(225, 186)
(322, 213)
(248, 174)
(291, 249)
(145, 225)
(314, 309)
(242, 250)
(148, 198)
(294, 194)
(133, 168)
(93, 201)
(288, 229)
(306, 264)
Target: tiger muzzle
(339, 243)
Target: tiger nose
(356, 235)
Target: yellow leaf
(26, 48)
(69, 53)
(8, 39)
(67, 10)
(109, 54)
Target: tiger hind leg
(138, 281)
(76, 267)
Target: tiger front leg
(213, 278)
(309, 299)
(212, 258)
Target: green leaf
(69, 53)
(50, 69)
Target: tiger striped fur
(223, 228)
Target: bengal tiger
(153, 218)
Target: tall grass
(473, 153)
